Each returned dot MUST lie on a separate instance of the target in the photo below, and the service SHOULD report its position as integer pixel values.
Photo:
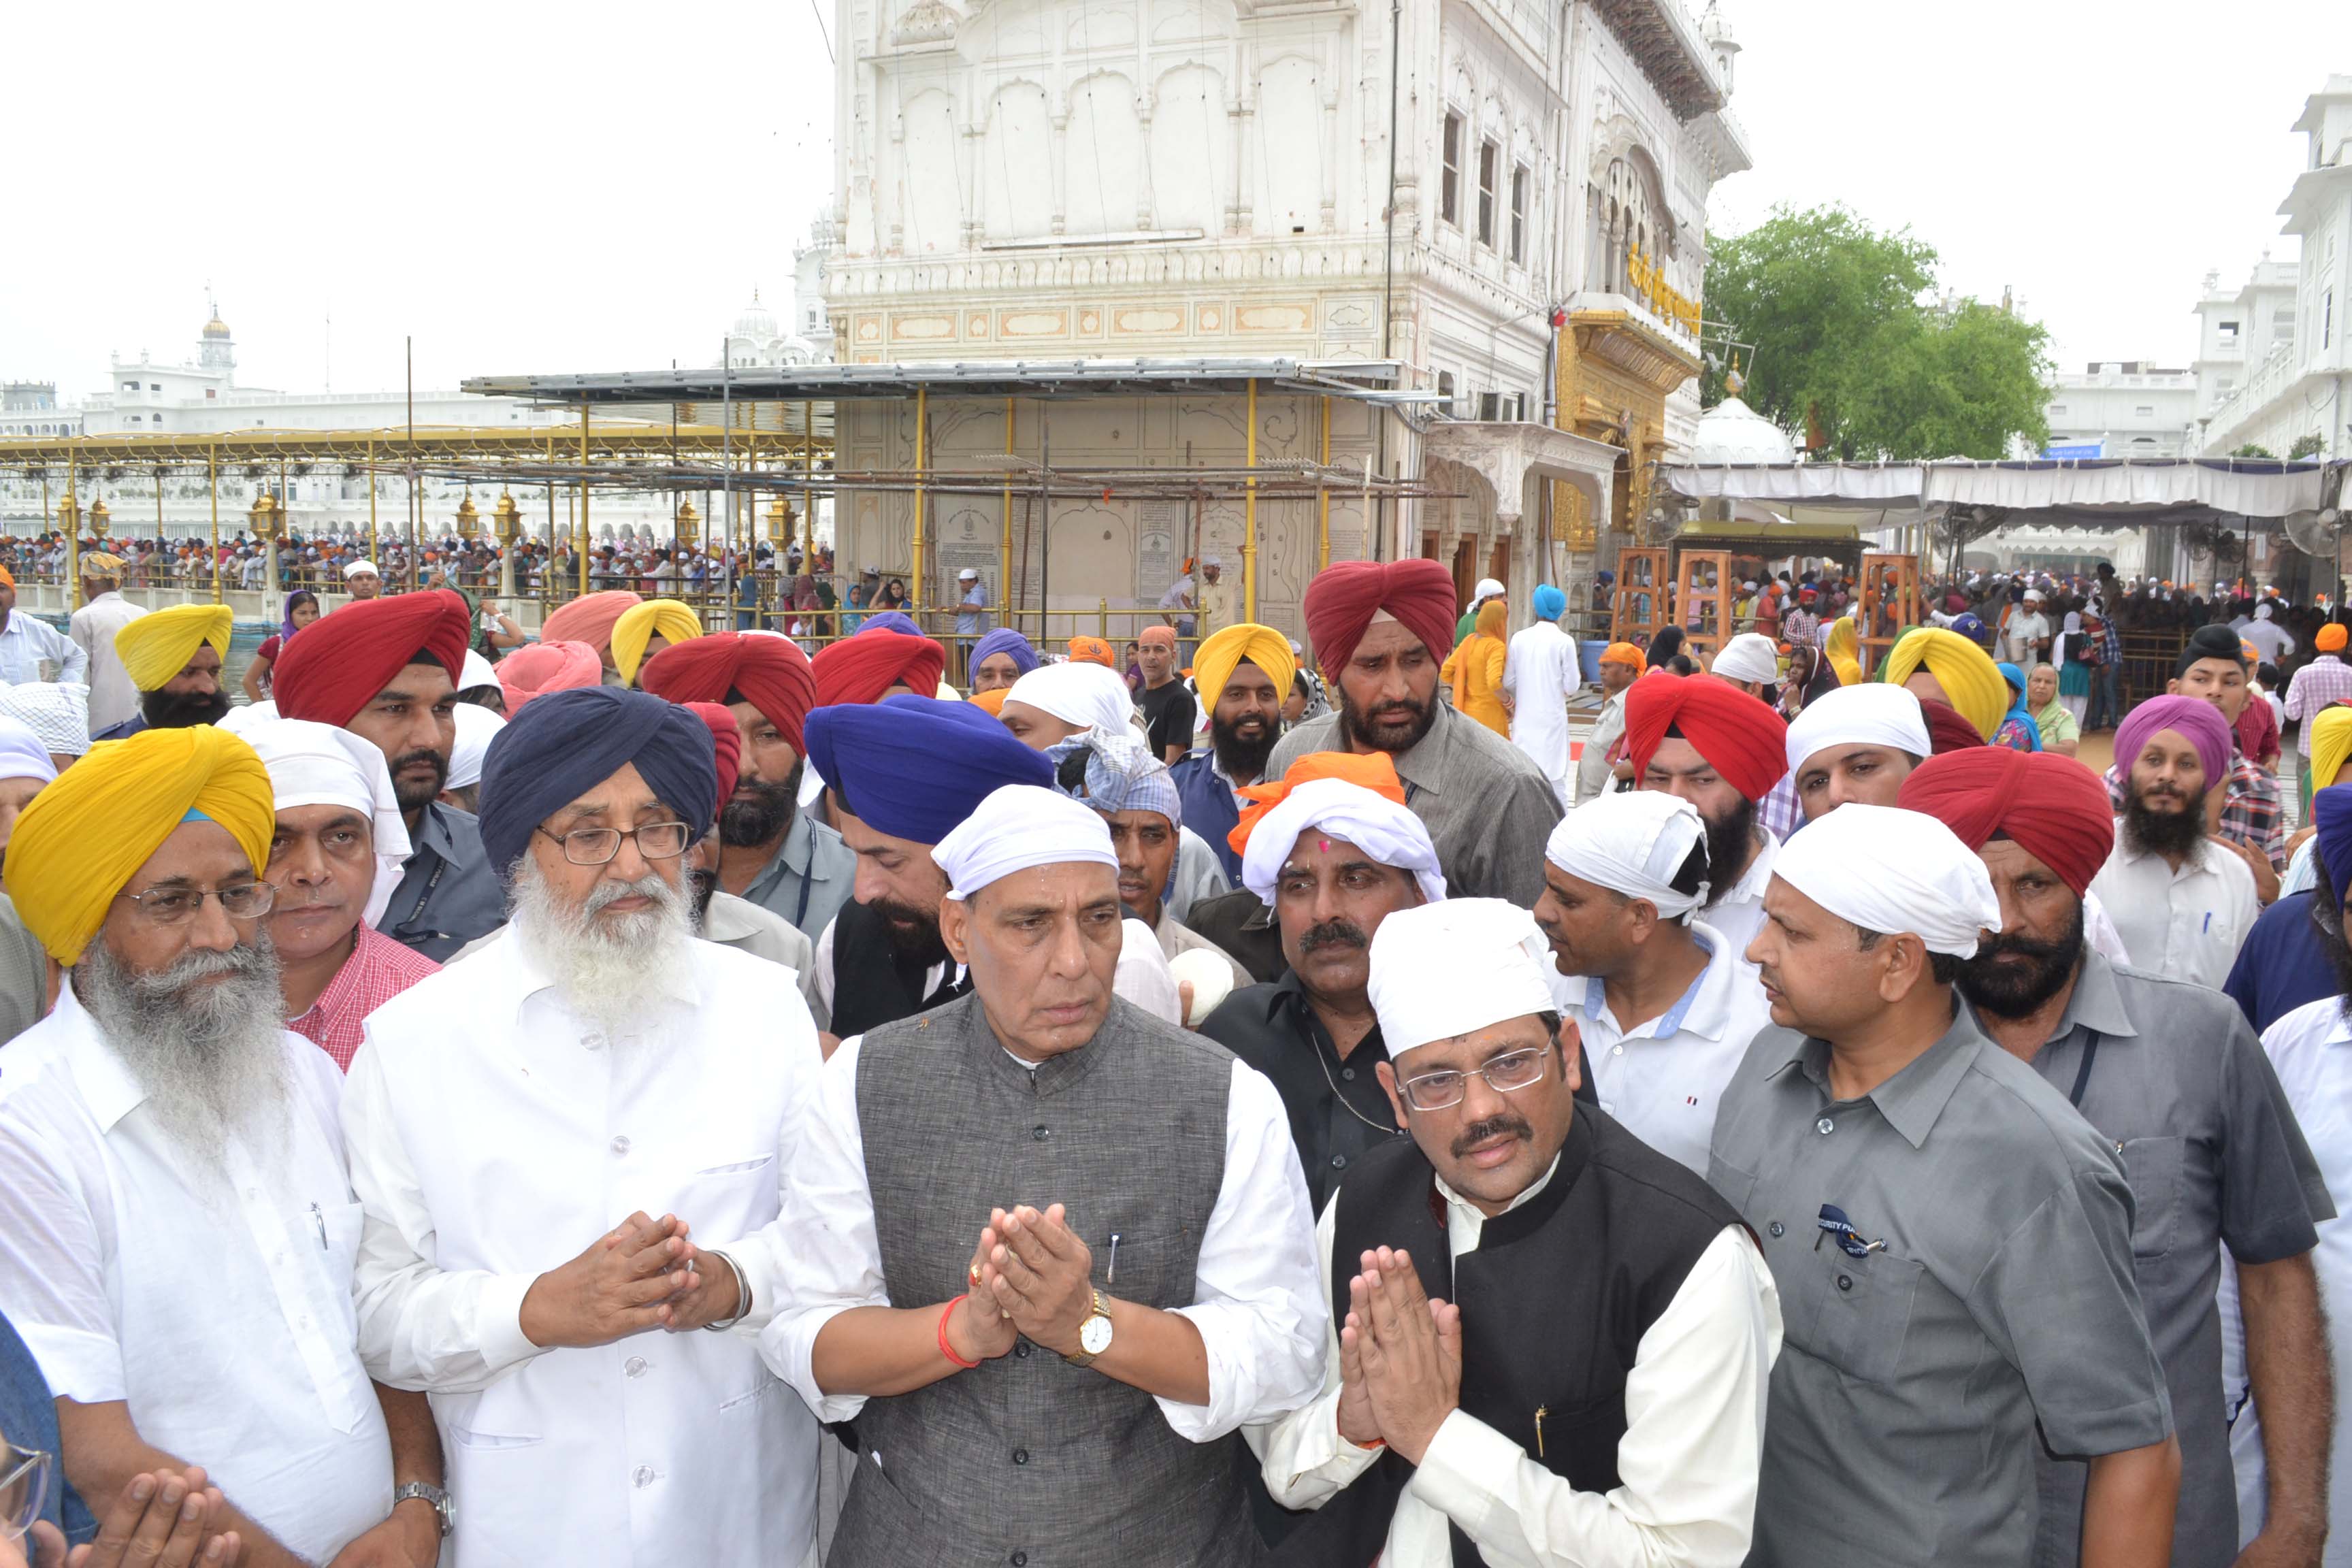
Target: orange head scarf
(1374, 772)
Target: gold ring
(973, 1274)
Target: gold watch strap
(1081, 1357)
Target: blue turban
(1550, 602)
(915, 767)
(560, 745)
(2331, 808)
(889, 621)
(1004, 640)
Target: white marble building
(2124, 408)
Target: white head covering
(355, 568)
(1870, 714)
(476, 673)
(476, 727)
(1016, 827)
(2263, 611)
(1886, 869)
(22, 754)
(243, 722)
(1487, 588)
(1632, 844)
(1751, 655)
(56, 712)
(1446, 970)
(2074, 621)
(1084, 694)
(1374, 824)
(319, 764)
(2033, 595)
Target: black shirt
(1168, 714)
(1338, 1110)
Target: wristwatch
(426, 1491)
(1094, 1333)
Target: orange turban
(1093, 650)
(1624, 653)
(991, 701)
(589, 618)
(861, 669)
(771, 673)
(1343, 600)
(1373, 771)
(2054, 806)
(7, 576)
(1741, 737)
(338, 664)
(2329, 638)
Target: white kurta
(2184, 924)
(1687, 1464)
(215, 1303)
(113, 697)
(493, 1136)
(1539, 670)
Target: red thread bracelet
(946, 1349)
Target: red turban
(2054, 806)
(338, 664)
(589, 618)
(1949, 729)
(768, 672)
(1342, 600)
(540, 668)
(1741, 737)
(726, 740)
(861, 669)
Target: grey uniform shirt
(1488, 807)
(448, 892)
(2178, 1084)
(1902, 1423)
(811, 875)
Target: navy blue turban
(915, 767)
(561, 744)
(890, 621)
(2331, 810)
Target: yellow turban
(85, 837)
(1967, 673)
(157, 646)
(637, 626)
(1212, 664)
(2331, 742)
(1840, 649)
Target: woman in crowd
(301, 609)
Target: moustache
(422, 755)
(1333, 933)
(1496, 1126)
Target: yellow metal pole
(1249, 517)
(808, 493)
(1323, 497)
(371, 479)
(1004, 547)
(583, 545)
(211, 482)
(71, 512)
(922, 430)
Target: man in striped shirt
(2326, 680)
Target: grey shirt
(811, 875)
(450, 893)
(1488, 807)
(1902, 1423)
(2178, 1084)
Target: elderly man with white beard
(516, 1123)
(177, 1234)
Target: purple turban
(889, 621)
(2195, 719)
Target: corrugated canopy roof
(1369, 381)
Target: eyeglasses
(1506, 1074)
(25, 1476)
(176, 906)
(598, 846)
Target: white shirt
(2311, 1049)
(1662, 1078)
(113, 697)
(493, 1137)
(1739, 913)
(216, 1302)
(1687, 1466)
(2026, 628)
(1539, 670)
(1593, 772)
(1256, 1300)
(27, 640)
(2184, 924)
(2270, 638)
(1143, 976)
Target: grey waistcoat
(1027, 1460)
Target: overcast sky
(600, 186)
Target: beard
(2166, 833)
(411, 796)
(701, 886)
(182, 709)
(1730, 843)
(1242, 759)
(2015, 990)
(915, 937)
(765, 814)
(205, 1039)
(608, 968)
(1392, 727)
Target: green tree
(1852, 351)
(2308, 445)
(2252, 450)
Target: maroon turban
(1342, 600)
(861, 669)
(2054, 808)
(589, 618)
(1949, 729)
(768, 672)
(1741, 737)
(726, 740)
(336, 668)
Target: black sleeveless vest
(870, 986)
(1554, 1303)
